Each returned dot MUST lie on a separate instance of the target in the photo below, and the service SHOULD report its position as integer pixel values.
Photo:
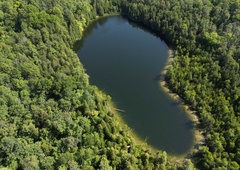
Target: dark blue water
(124, 61)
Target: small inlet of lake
(125, 61)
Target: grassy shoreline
(136, 139)
(198, 137)
(178, 160)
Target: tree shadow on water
(175, 103)
(189, 125)
(157, 77)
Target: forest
(52, 118)
(205, 36)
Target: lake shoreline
(178, 159)
(136, 139)
(198, 136)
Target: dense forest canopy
(52, 118)
(205, 36)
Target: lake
(125, 61)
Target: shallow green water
(124, 61)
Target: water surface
(124, 61)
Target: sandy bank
(198, 137)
